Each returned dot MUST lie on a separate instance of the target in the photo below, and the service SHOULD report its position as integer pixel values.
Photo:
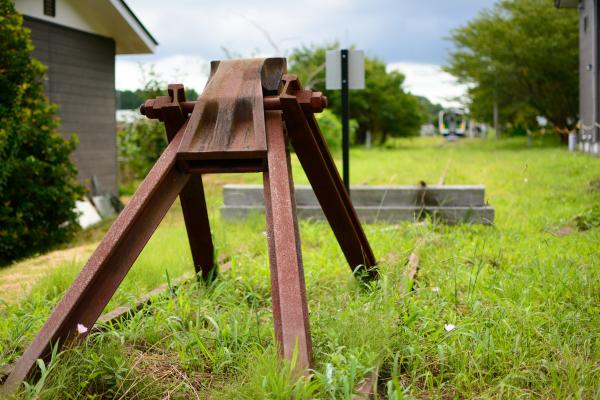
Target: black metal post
(345, 122)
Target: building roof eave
(135, 23)
(109, 18)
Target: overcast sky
(408, 35)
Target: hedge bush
(38, 185)
(140, 143)
(331, 127)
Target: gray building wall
(589, 77)
(81, 80)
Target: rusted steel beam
(370, 260)
(197, 226)
(169, 110)
(310, 101)
(94, 286)
(324, 178)
(115, 316)
(223, 166)
(5, 371)
(288, 289)
(228, 120)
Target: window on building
(50, 8)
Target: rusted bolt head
(148, 110)
(318, 102)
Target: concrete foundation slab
(376, 204)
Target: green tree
(331, 128)
(523, 55)
(140, 143)
(430, 110)
(38, 185)
(153, 86)
(128, 100)
(383, 107)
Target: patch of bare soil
(16, 280)
(164, 367)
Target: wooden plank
(124, 312)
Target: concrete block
(372, 196)
(375, 204)
(370, 215)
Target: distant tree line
(132, 99)
(521, 55)
(383, 108)
(431, 110)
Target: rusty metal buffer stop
(242, 122)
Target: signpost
(345, 69)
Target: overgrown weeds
(496, 312)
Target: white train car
(452, 122)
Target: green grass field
(523, 295)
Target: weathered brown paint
(94, 286)
(193, 202)
(314, 156)
(228, 121)
(225, 133)
(288, 290)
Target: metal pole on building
(345, 121)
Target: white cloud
(430, 81)
(192, 71)
(421, 79)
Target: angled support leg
(195, 215)
(290, 310)
(192, 198)
(327, 185)
(316, 133)
(97, 282)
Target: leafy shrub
(140, 144)
(331, 127)
(38, 185)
